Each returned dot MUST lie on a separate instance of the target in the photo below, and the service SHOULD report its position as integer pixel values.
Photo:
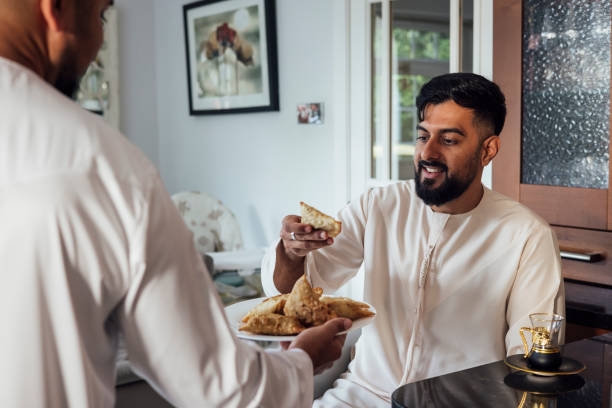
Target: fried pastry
(345, 307)
(272, 324)
(303, 303)
(319, 220)
(304, 307)
(274, 304)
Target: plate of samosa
(283, 317)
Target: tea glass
(545, 351)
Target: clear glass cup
(545, 352)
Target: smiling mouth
(431, 170)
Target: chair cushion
(214, 226)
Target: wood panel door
(589, 208)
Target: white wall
(138, 95)
(259, 164)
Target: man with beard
(93, 247)
(452, 268)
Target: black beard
(450, 188)
(67, 86)
(68, 79)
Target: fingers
(285, 344)
(299, 239)
(333, 327)
(305, 246)
(315, 235)
(338, 324)
(302, 232)
(292, 223)
(340, 339)
(322, 343)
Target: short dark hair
(471, 91)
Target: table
(483, 386)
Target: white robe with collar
(451, 291)
(92, 246)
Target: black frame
(272, 59)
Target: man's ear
(490, 147)
(54, 13)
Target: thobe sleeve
(538, 287)
(332, 266)
(176, 332)
(267, 270)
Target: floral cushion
(214, 226)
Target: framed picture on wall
(231, 56)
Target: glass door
(553, 63)
(410, 43)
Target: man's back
(66, 216)
(92, 246)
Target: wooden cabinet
(556, 78)
(588, 208)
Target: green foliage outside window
(417, 44)
(409, 86)
(412, 51)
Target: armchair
(214, 226)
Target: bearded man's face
(447, 154)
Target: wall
(259, 164)
(138, 95)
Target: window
(410, 43)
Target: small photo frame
(310, 113)
(231, 56)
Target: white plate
(236, 312)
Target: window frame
(482, 64)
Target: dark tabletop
(484, 386)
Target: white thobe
(90, 246)
(451, 291)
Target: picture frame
(310, 113)
(231, 55)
